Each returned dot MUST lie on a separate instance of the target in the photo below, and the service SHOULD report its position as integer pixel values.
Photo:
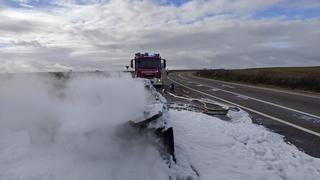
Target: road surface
(295, 116)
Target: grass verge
(301, 78)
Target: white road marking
(228, 86)
(252, 110)
(263, 88)
(243, 97)
(266, 102)
(184, 78)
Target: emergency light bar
(147, 54)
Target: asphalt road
(295, 116)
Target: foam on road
(71, 130)
(238, 149)
(54, 129)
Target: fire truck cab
(149, 66)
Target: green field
(303, 78)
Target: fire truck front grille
(149, 76)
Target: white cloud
(105, 35)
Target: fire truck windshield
(148, 63)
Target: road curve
(294, 115)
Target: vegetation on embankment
(303, 78)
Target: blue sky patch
(43, 3)
(282, 9)
(288, 12)
(174, 2)
(31, 3)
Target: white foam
(238, 149)
(56, 130)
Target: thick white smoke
(74, 129)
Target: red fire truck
(149, 66)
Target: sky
(80, 35)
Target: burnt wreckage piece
(156, 121)
(164, 134)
